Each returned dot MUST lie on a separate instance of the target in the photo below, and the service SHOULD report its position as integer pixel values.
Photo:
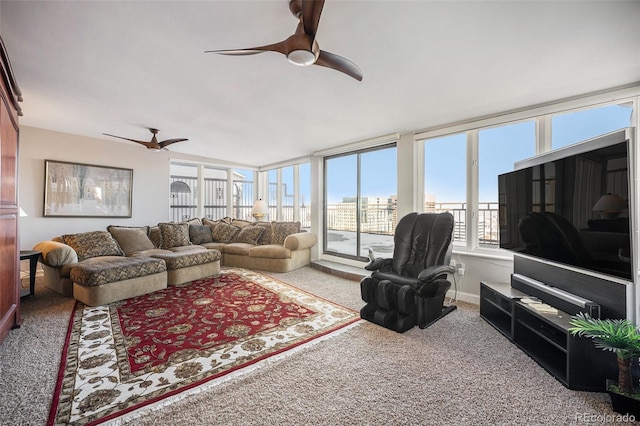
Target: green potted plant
(621, 337)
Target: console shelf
(545, 337)
(496, 306)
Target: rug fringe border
(156, 406)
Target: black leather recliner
(410, 288)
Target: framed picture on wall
(86, 190)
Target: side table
(33, 257)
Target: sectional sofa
(101, 267)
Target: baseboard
(340, 270)
(356, 274)
(465, 297)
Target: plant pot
(623, 403)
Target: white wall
(480, 268)
(150, 181)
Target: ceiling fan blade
(311, 11)
(280, 47)
(150, 145)
(127, 139)
(338, 63)
(170, 141)
(237, 52)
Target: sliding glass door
(360, 202)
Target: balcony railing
(374, 219)
(382, 220)
(184, 199)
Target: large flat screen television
(570, 206)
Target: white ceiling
(119, 67)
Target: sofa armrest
(300, 241)
(56, 254)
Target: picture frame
(86, 190)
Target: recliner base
(399, 307)
(447, 309)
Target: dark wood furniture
(32, 256)
(9, 211)
(612, 296)
(496, 306)
(545, 337)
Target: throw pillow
(241, 223)
(211, 223)
(282, 230)
(92, 244)
(265, 238)
(194, 221)
(155, 236)
(131, 239)
(200, 234)
(249, 234)
(174, 234)
(224, 233)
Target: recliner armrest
(377, 264)
(435, 271)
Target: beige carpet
(458, 371)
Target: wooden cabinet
(9, 210)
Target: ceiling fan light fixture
(301, 57)
(301, 48)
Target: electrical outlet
(460, 268)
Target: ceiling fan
(302, 48)
(153, 145)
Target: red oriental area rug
(129, 356)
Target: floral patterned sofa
(101, 267)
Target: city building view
(378, 220)
(376, 223)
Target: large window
(243, 194)
(498, 148)
(360, 208)
(445, 180)
(184, 191)
(304, 176)
(341, 187)
(289, 194)
(446, 175)
(199, 190)
(576, 126)
(273, 194)
(214, 202)
(477, 156)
